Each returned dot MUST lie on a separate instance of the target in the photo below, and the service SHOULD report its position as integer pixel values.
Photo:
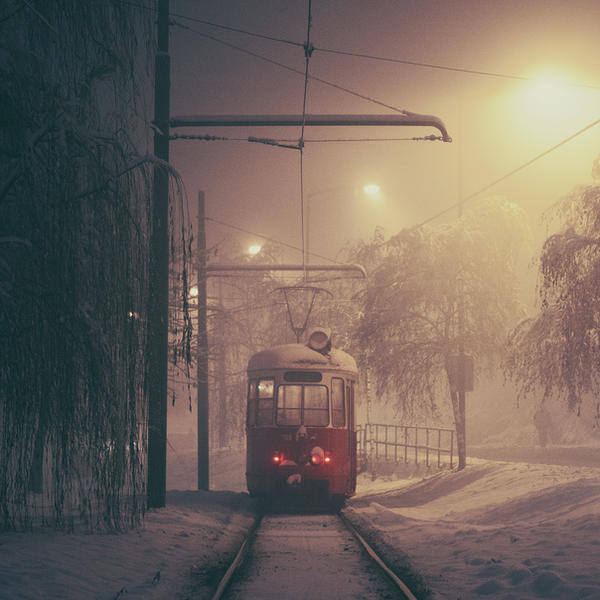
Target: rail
(405, 443)
(234, 568)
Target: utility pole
(158, 301)
(461, 417)
(202, 355)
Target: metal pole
(378, 120)
(461, 426)
(416, 445)
(158, 301)
(222, 268)
(202, 357)
(222, 409)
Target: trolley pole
(158, 302)
(202, 356)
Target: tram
(301, 438)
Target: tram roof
(300, 356)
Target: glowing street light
(254, 249)
(371, 189)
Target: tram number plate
(286, 437)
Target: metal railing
(406, 443)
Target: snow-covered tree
(409, 329)
(75, 182)
(559, 349)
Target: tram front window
(289, 405)
(297, 405)
(316, 408)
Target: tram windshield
(302, 405)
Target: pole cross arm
(257, 267)
(393, 120)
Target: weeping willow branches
(74, 244)
(559, 349)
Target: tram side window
(289, 404)
(264, 412)
(251, 420)
(337, 402)
(316, 408)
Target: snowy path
(305, 557)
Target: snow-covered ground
(499, 530)
(495, 530)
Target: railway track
(307, 556)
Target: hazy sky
(497, 123)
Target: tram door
(351, 435)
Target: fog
(510, 81)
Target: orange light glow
(371, 189)
(549, 98)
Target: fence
(405, 443)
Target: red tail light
(277, 458)
(320, 458)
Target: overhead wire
(308, 76)
(293, 70)
(507, 175)
(261, 36)
(307, 53)
(439, 67)
(353, 54)
(270, 239)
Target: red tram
(301, 438)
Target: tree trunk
(458, 407)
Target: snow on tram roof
(300, 356)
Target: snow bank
(499, 530)
(180, 548)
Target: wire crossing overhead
(393, 120)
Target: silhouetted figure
(543, 423)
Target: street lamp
(254, 249)
(371, 189)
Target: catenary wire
(293, 70)
(352, 92)
(353, 54)
(261, 36)
(439, 67)
(270, 239)
(507, 175)
(307, 53)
